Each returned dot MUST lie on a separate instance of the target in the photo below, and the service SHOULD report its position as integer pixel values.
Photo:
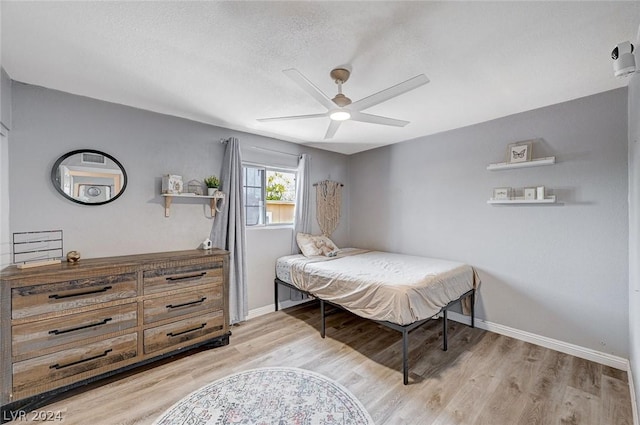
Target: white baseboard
(260, 311)
(554, 344)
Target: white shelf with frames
(213, 201)
(547, 200)
(525, 164)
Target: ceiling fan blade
(293, 117)
(333, 127)
(377, 119)
(310, 88)
(389, 93)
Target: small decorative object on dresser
(171, 183)
(37, 248)
(519, 152)
(73, 256)
(65, 325)
(207, 244)
(540, 193)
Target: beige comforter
(383, 286)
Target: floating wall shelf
(548, 200)
(533, 163)
(213, 200)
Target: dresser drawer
(168, 279)
(45, 370)
(30, 338)
(176, 333)
(60, 296)
(209, 299)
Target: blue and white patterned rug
(269, 396)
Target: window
(269, 195)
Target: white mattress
(378, 285)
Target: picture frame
(172, 184)
(519, 152)
(530, 193)
(502, 193)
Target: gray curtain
(228, 230)
(302, 221)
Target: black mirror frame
(55, 182)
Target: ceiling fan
(341, 108)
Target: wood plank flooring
(484, 378)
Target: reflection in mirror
(89, 177)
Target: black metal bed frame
(404, 329)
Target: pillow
(315, 245)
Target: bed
(398, 291)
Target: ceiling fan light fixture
(340, 115)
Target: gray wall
(48, 123)
(634, 230)
(5, 102)
(560, 271)
(5, 125)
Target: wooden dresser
(67, 324)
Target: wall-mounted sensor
(624, 63)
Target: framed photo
(519, 152)
(502, 193)
(529, 193)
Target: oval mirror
(89, 177)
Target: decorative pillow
(306, 244)
(315, 245)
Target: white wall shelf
(533, 163)
(213, 200)
(547, 200)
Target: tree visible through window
(280, 186)
(269, 195)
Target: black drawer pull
(90, 325)
(188, 330)
(58, 366)
(79, 294)
(183, 278)
(186, 304)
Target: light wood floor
(484, 378)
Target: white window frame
(267, 168)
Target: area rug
(269, 396)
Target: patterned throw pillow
(315, 245)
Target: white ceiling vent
(93, 158)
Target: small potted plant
(212, 183)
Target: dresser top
(123, 261)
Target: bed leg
(322, 325)
(473, 308)
(275, 293)
(405, 357)
(444, 330)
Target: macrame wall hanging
(328, 203)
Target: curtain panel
(228, 231)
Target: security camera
(624, 63)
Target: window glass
(269, 195)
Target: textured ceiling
(221, 62)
